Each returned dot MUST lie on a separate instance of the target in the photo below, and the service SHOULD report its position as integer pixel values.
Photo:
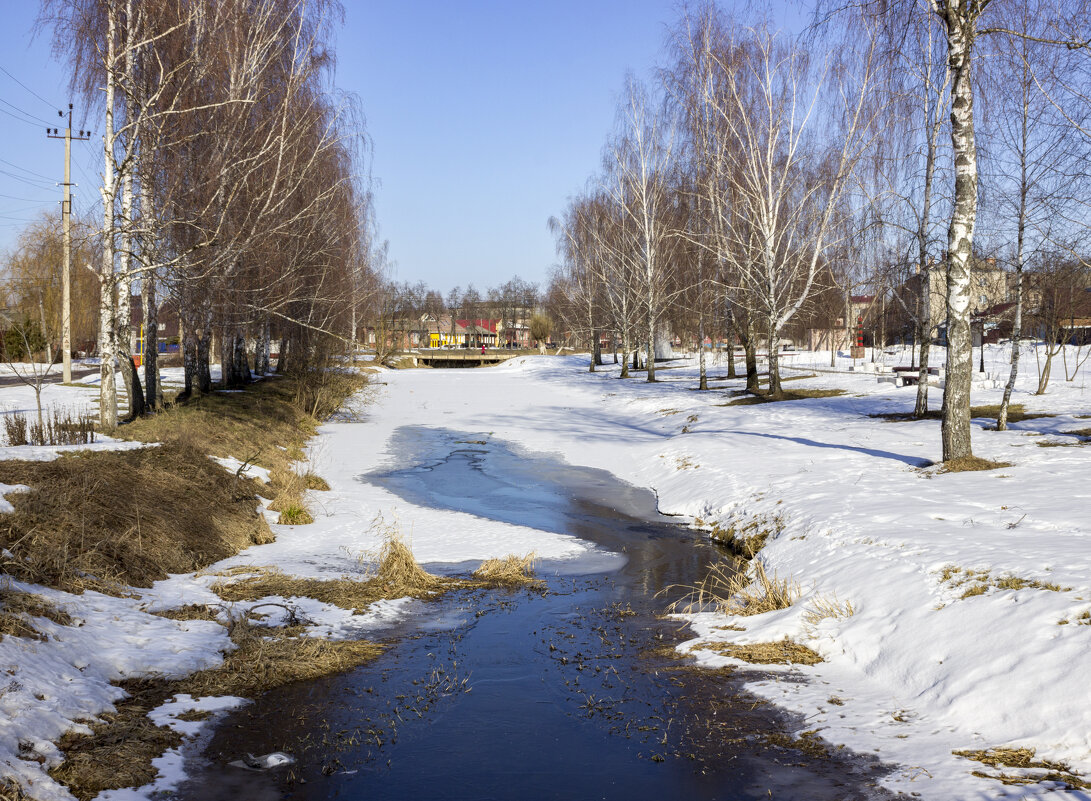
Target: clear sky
(485, 116)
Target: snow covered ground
(915, 672)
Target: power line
(24, 169)
(20, 119)
(51, 105)
(28, 181)
(27, 199)
(25, 113)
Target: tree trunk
(774, 362)
(955, 428)
(651, 350)
(150, 315)
(282, 355)
(703, 384)
(204, 370)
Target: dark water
(570, 694)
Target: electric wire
(51, 105)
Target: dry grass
(739, 592)
(808, 743)
(825, 607)
(978, 582)
(1016, 414)
(967, 464)
(1023, 759)
(512, 571)
(785, 395)
(110, 518)
(268, 424)
(119, 751)
(10, 791)
(313, 481)
(16, 609)
(745, 536)
(784, 652)
(393, 573)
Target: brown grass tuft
(16, 607)
(1016, 414)
(294, 514)
(1023, 759)
(10, 791)
(966, 464)
(119, 751)
(785, 395)
(784, 652)
(739, 592)
(744, 537)
(128, 517)
(512, 571)
(313, 481)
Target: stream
(568, 694)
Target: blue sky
(485, 116)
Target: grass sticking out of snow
(16, 609)
(113, 518)
(786, 395)
(9, 791)
(1016, 414)
(784, 652)
(1036, 770)
(393, 573)
(978, 582)
(745, 536)
(807, 742)
(734, 591)
(121, 747)
(512, 571)
(313, 481)
(969, 464)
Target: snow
(921, 671)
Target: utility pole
(66, 228)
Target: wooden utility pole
(66, 227)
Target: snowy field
(914, 673)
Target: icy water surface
(570, 694)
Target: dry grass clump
(745, 536)
(288, 499)
(121, 747)
(978, 582)
(10, 791)
(189, 612)
(17, 607)
(396, 569)
(266, 658)
(785, 395)
(512, 571)
(784, 652)
(808, 742)
(823, 607)
(59, 426)
(1016, 414)
(1023, 758)
(125, 517)
(751, 591)
(393, 573)
(313, 481)
(347, 593)
(967, 464)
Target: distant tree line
(763, 180)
